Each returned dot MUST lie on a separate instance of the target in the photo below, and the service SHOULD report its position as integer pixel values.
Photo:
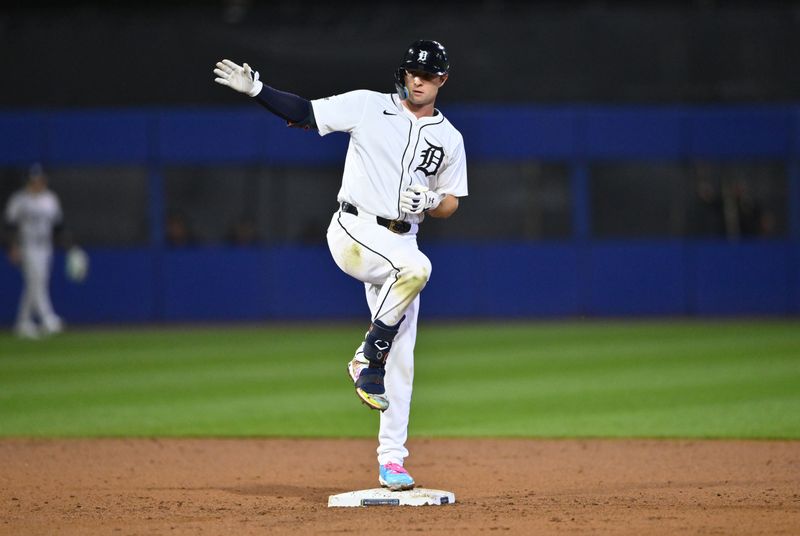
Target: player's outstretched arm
(238, 77)
(297, 111)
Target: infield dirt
(514, 486)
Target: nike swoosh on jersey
(388, 113)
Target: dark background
(90, 54)
(624, 158)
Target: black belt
(395, 226)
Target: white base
(385, 497)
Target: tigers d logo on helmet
(423, 55)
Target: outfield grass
(537, 379)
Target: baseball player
(31, 215)
(404, 161)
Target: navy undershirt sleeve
(294, 109)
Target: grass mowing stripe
(616, 379)
(203, 375)
(486, 390)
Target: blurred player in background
(405, 161)
(32, 215)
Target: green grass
(524, 379)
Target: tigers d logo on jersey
(432, 158)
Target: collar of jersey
(437, 115)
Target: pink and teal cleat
(395, 477)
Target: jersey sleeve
(340, 113)
(453, 179)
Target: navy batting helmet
(423, 55)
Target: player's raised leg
(389, 308)
(367, 368)
(393, 265)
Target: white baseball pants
(393, 271)
(35, 299)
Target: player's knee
(418, 272)
(424, 268)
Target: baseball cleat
(27, 331)
(369, 384)
(52, 326)
(395, 477)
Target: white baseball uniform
(389, 150)
(35, 214)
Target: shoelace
(396, 468)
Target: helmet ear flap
(400, 83)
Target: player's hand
(417, 198)
(76, 264)
(239, 77)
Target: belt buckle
(394, 226)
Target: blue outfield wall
(579, 276)
(491, 280)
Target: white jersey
(34, 215)
(390, 149)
